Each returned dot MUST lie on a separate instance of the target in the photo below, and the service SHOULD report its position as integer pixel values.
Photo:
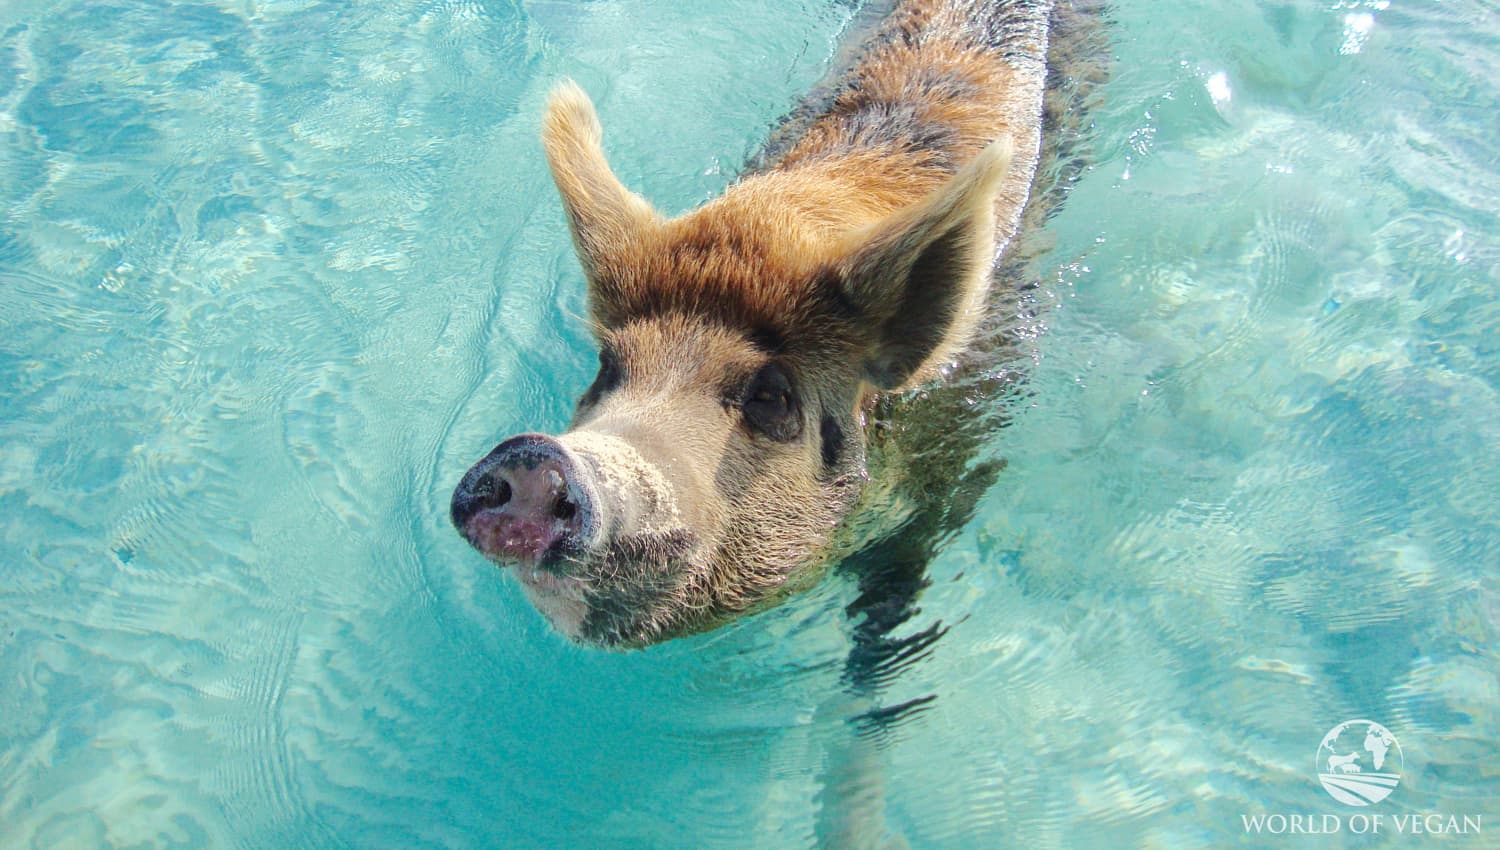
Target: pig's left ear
(602, 213)
(917, 280)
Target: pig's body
(745, 345)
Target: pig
(726, 453)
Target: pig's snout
(525, 502)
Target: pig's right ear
(602, 213)
(915, 283)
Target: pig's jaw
(623, 595)
(638, 589)
(561, 599)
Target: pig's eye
(607, 379)
(770, 404)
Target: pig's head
(722, 440)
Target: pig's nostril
(564, 508)
(492, 493)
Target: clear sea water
(272, 274)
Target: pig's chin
(563, 600)
(550, 585)
(625, 594)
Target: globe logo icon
(1359, 762)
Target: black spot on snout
(833, 441)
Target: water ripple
(272, 276)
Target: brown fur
(855, 260)
(755, 255)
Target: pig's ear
(602, 213)
(916, 281)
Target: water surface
(272, 274)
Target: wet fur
(858, 250)
(937, 84)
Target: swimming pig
(743, 344)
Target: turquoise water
(273, 274)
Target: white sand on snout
(630, 495)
